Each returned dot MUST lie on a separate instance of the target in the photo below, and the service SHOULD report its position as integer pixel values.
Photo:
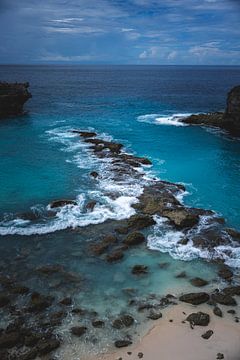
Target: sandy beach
(171, 339)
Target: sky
(164, 32)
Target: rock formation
(228, 120)
(12, 98)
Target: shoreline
(168, 340)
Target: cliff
(228, 120)
(12, 98)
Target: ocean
(42, 160)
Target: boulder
(98, 323)
(134, 238)
(47, 345)
(123, 321)
(223, 299)
(232, 290)
(195, 298)
(207, 334)
(225, 273)
(122, 343)
(198, 282)
(85, 134)
(94, 174)
(154, 315)
(199, 318)
(91, 205)
(39, 302)
(115, 256)
(60, 203)
(217, 311)
(78, 330)
(140, 221)
(12, 98)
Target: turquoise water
(41, 160)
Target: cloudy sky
(120, 31)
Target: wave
(161, 119)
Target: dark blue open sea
(41, 160)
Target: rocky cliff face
(12, 98)
(228, 120)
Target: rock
(98, 323)
(232, 290)
(217, 311)
(47, 345)
(99, 145)
(85, 134)
(12, 98)
(139, 221)
(78, 330)
(122, 343)
(182, 217)
(66, 301)
(91, 205)
(195, 298)
(233, 233)
(9, 340)
(39, 302)
(181, 275)
(154, 315)
(122, 230)
(19, 290)
(29, 354)
(115, 256)
(140, 355)
(225, 273)
(139, 269)
(164, 265)
(60, 203)
(50, 269)
(231, 311)
(183, 241)
(224, 299)
(198, 282)
(134, 238)
(103, 245)
(123, 321)
(94, 174)
(4, 300)
(207, 334)
(199, 318)
(220, 356)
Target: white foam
(163, 119)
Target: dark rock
(50, 269)
(225, 273)
(32, 339)
(134, 238)
(39, 302)
(100, 145)
(60, 203)
(115, 256)
(12, 98)
(163, 265)
(217, 311)
(139, 269)
(198, 282)
(233, 233)
(199, 318)
(19, 290)
(183, 241)
(123, 321)
(224, 299)
(91, 205)
(181, 275)
(140, 355)
(103, 245)
(207, 334)
(232, 290)
(139, 221)
(231, 311)
(29, 354)
(122, 343)
(78, 330)
(4, 300)
(195, 298)
(154, 315)
(220, 356)
(122, 230)
(94, 174)
(47, 345)
(66, 301)
(98, 323)
(85, 134)
(9, 340)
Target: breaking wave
(161, 119)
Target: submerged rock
(199, 318)
(198, 282)
(115, 256)
(225, 273)
(12, 98)
(78, 330)
(139, 269)
(134, 238)
(123, 321)
(195, 298)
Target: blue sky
(120, 32)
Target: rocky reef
(12, 98)
(228, 120)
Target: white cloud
(172, 55)
(59, 58)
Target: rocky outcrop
(12, 98)
(228, 120)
